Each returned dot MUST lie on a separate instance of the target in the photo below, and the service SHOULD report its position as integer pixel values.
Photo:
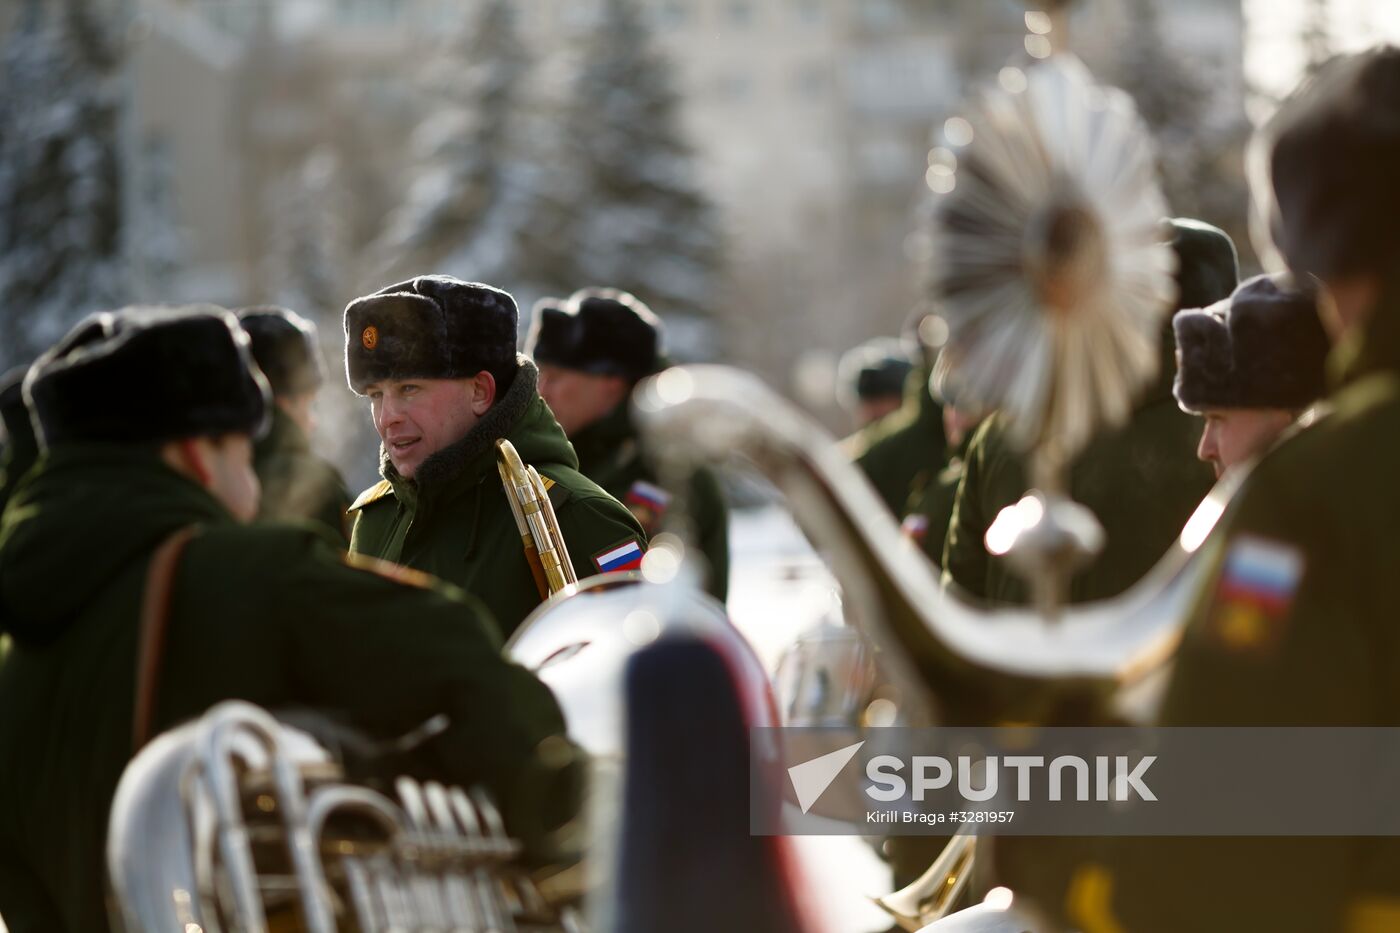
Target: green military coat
(609, 453)
(893, 450)
(19, 452)
(1323, 650)
(1142, 481)
(454, 522)
(929, 508)
(265, 613)
(297, 485)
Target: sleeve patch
(648, 503)
(915, 527)
(1255, 594)
(625, 555)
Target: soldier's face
(232, 478)
(958, 423)
(1234, 435)
(299, 409)
(222, 465)
(578, 399)
(417, 418)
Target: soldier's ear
(482, 393)
(619, 389)
(189, 457)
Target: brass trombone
(534, 517)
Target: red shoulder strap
(155, 619)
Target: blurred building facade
(812, 120)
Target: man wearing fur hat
(592, 351)
(436, 358)
(870, 379)
(1140, 480)
(1250, 365)
(268, 613)
(1312, 640)
(296, 484)
(894, 451)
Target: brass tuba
(1048, 264)
(238, 822)
(953, 660)
(534, 518)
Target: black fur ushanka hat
(431, 327)
(1207, 266)
(877, 368)
(1263, 347)
(602, 331)
(1332, 154)
(148, 375)
(284, 347)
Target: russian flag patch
(649, 494)
(915, 527)
(1257, 584)
(647, 502)
(625, 556)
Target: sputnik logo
(811, 778)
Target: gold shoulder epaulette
(373, 494)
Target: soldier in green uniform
(21, 449)
(892, 451)
(933, 491)
(296, 484)
(1141, 480)
(147, 416)
(870, 379)
(1315, 643)
(591, 352)
(436, 358)
(1250, 366)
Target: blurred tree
(307, 265)
(622, 206)
(467, 204)
(158, 235)
(1318, 42)
(60, 179)
(1200, 153)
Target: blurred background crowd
(753, 169)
